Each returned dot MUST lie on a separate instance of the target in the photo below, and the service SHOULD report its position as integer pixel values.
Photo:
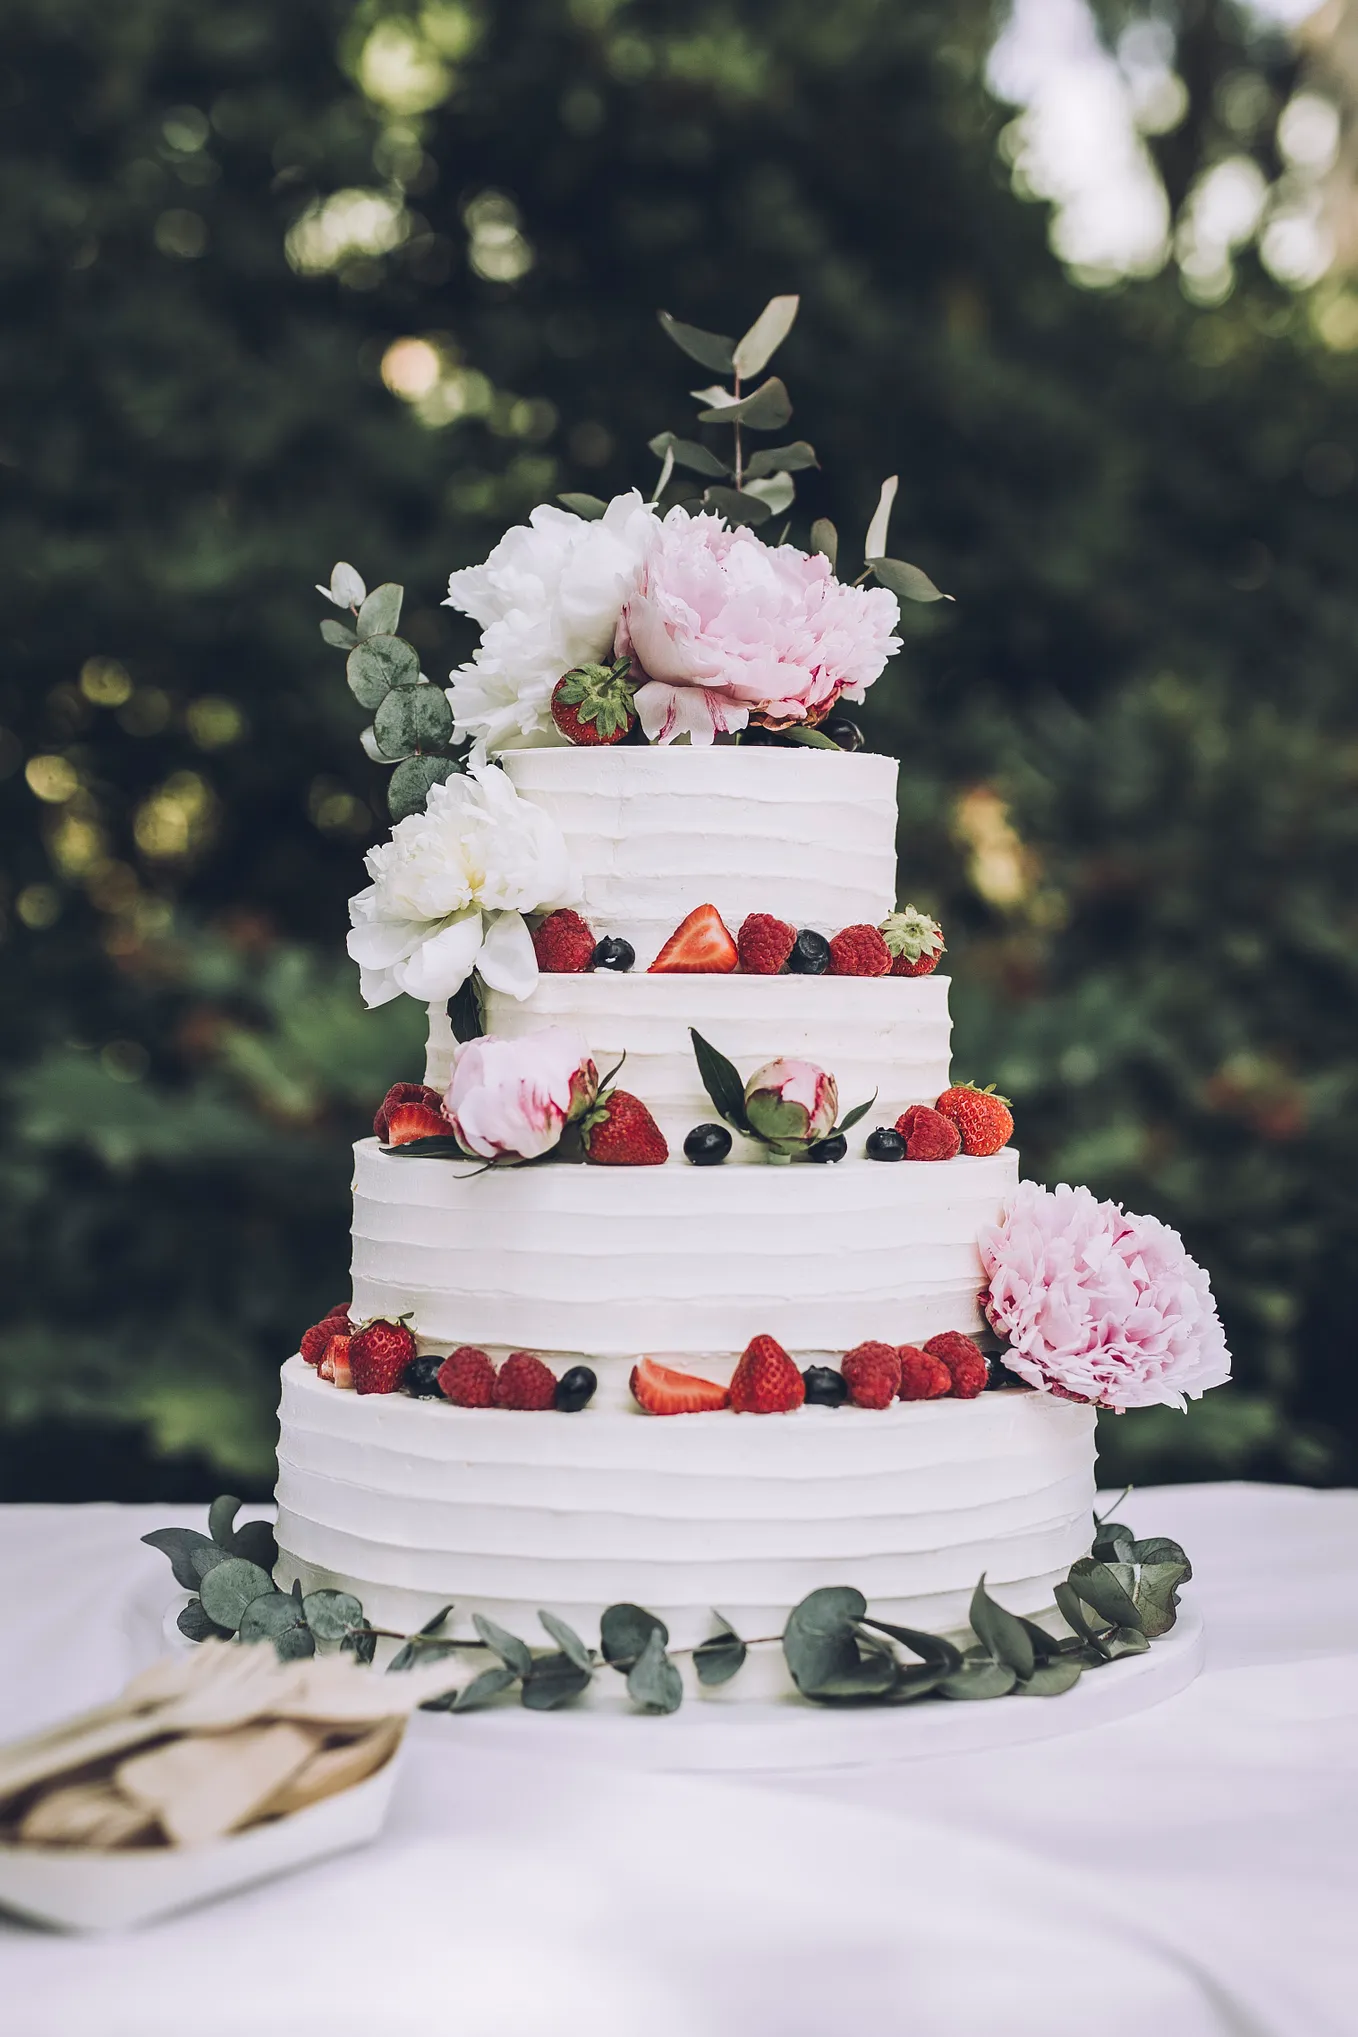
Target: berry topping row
(382, 1357)
(907, 943)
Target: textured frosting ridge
(809, 835)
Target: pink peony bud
(790, 1103)
(514, 1097)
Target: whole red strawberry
(965, 1361)
(378, 1356)
(334, 1363)
(407, 1122)
(984, 1119)
(859, 951)
(467, 1378)
(524, 1382)
(399, 1093)
(928, 1134)
(766, 1382)
(594, 703)
(619, 1131)
(914, 940)
(314, 1340)
(873, 1372)
(923, 1377)
(764, 944)
(563, 944)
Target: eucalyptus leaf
(553, 1680)
(825, 540)
(514, 1653)
(979, 1680)
(411, 781)
(909, 583)
(587, 506)
(931, 1648)
(919, 1680)
(369, 745)
(479, 1691)
(788, 459)
(1001, 1632)
(221, 1518)
(868, 1676)
(362, 1646)
(1046, 1647)
(625, 1632)
(812, 739)
(875, 542)
(756, 348)
(710, 349)
(1157, 1595)
(819, 1641)
(720, 1080)
(767, 408)
(1073, 1613)
(332, 1615)
(1096, 1584)
(229, 1587)
(717, 1659)
(208, 1555)
(254, 1540)
(374, 667)
(736, 506)
(179, 1544)
(464, 1012)
(1113, 1543)
(1159, 1549)
(851, 1117)
(194, 1624)
(381, 612)
(438, 1146)
(779, 492)
(567, 1640)
(277, 1617)
(688, 453)
(338, 634)
(1126, 1641)
(653, 1682)
(1049, 1679)
(411, 1653)
(413, 718)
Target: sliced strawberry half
(701, 945)
(663, 1391)
(411, 1121)
(403, 1092)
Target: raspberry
(965, 1361)
(923, 1377)
(873, 1372)
(467, 1378)
(859, 951)
(764, 944)
(563, 944)
(766, 1382)
(928, 1134)
(314, 1340)
(524, 1382)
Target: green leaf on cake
(819, 1641)
(514, 1653)
(1159, 1575)
(709, 349)
(1076, 1618)
(567, 1640)
(381, 611)
(1001, 1633)
(229, 1587)
(979, 1677)
(363, 1646)
(439, 1146)
(931, 1648)
(332, 1615)
(1050, 1679)
(413, 718)
(720, 1080)
(374, 667)
(851, 1117)
(489, 1684)
(179, 1544)
(624, 1633)
(717, 1659)
(278, 1617)
(254, 1540)
(811, 739)
(194, 1624)
(653, 1682)
(1100, 1588)
(464, 1012)
(553, 1680)
(411, 782)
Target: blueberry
(574, 1390)
(825, 1388)
(613, 954)
(844, 732)
(421, 1377)
(810, 954)
(885, 1144)
(829, 1149)
(707, 1145)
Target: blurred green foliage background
(286, 284)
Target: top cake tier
(808, 835)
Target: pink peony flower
(724, 626)
(791, 1102)
(1098, 1305)
(516, 1096)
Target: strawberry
(467, 1378)
(410, 1121)
(334, 1363)
(914, 942)
(594, 703)
(663, 1391)
(965, 1361)
(873, 1372)
(524, 1382)
(700, 946)
(314, 1340)
(928, 1134)
(859, 951)
(620, 1132)
(403, 1092)
(984, 1119)
(923, 1377)
(764, 944)
(378, 1356)
(563, 944)
(766, 1382)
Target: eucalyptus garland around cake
(1114, 1603)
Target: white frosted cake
(413, 1503)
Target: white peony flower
(548, 598)
(450, 889)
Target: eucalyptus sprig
(412, 722)
(836, 1651)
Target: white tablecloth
(1190, 1872)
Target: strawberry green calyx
(600, 696)
(911, 934)
(989, 1090)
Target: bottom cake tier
(412, 1505)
